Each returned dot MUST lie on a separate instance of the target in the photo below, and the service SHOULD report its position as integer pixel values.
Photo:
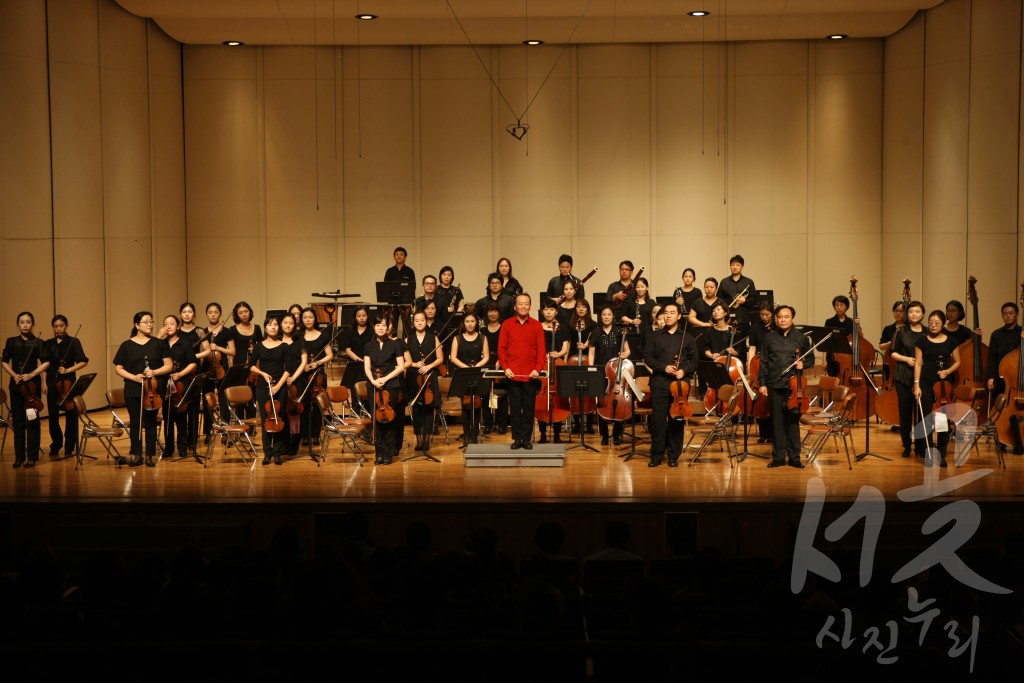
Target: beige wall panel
(995, 27)
(946, 36)
(298, 267)
(218, 62)
(164, 54)
(27, 283)
(534, 63)
(24, 147)
(770, 272)
(769, 181)
(614, 61)
(73, 27)
(993, 158)
(945, 270)
(460, 62)
(129, 263)
(377, 63)
(379, 183)
(80, 295)
(831, 273)
(858, 56)
(301, 184)
(122, 39)
(471, 257)
(221, 157)
(690, 161)
(993, 260)
(848, 153)
(901, 258)
(944, 174)
(291, 63)
(770, 58)
(170, 275)
(367, 258)
(168, 166)
(77, 150)
(23, 28)
(614, 155)
(126, 153)
(688, 60)
(903, 97)
(534, 175)
(455, 157)
(702, 252)
(905, 49)
(213, 276)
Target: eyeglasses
(146, 322)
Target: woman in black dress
(183, 365)
(191, 333)
(567, 307)
(295, 365)
(383, 365)
(605, 344)
(496, 409)
(214, 359)
(23, 361)
(65, 357)
(556, 342)
(936, 358)
(903, 352)
(470, 350)
(355, 347)
(318, 353)
(422, 358)
(242, 341)
(509, 285)
(268, 363)
(638, 312)
(138, 359)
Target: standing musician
(213, 348)
(840, 304)
(618, 296)
(954, 328)
(556, 284)
(606, 342)
(400, 271)
(295, 311)
(183, 364)
(305, 426)
(268, 362)
(757, 335)
(470, 350)
(385, 357)
(495, 295)
(495, 417)
(423, 356)
(139, 359)
(1003, 341)
(556, 344)
(719, 337)
(640, 315)
(930, 351)
(666, 363)
(782, 346)
(316, 353)
(889, 331)
(449, 296)
(243, 336)
(700, 311)
(355, 345)
(687, 295)
(521, 352)
(509, 285)
(733, 287)
(580, 328)
(65, 355)
(902, 351)
(23, 361)
(191, 333)
(567, 309)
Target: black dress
(24, 356)
(422, 412)
(383, 360)
(176, 427)
(66, 351)
(311, 419)
(934, 357)
(133, 357)
(271, 361)
(470, 352)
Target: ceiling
(507, 22)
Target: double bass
(1010, 423)
(851, 366)
(887, 404)
(617, 403)
(974, 357)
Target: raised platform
(502, 455)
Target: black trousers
(666, 432)
(274, 443)
(148, 425)
(26, 431)
(175, 429)
(907, 404)
(388, 438)
(785, 427)
(522, 397)
(940, 440)
(423, 418)
(618, 426)
(69, 435)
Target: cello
(974, 357)
(549, 406)
(887, 404)
(617, 403)
(852, 366)
(1010, 422)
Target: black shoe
(487, 430)
(906, 453)
(894, 428)
(378, 460)
(150, 461)
(32, 463)
(17, 464)
(654, 462)
(278, 460)
(942, 463)
(54, 452)
(776, 463)
(135, 461)
(266, 460)
(387, 460)
(673, 462)
(208, 439)
(543, 438)
(617, 442)
(558, 438)
(604, 440)
(527, 445)
(517, 444)
(796, 463)
(590, 430)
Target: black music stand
(874, 391)
(399, 294)
(470, 382)
(82, 383)
(195, 386)
(580, 381)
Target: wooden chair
(450, 407)
(93, 430)
(334, 426)
(643, 409)
(235, 434)
(838, 426)
(238, 398)
(824, 399)
(116, 404)
(825, 417)
(714, 428)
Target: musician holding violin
(65, 357)
(495, 417)
(780, 379)
(268, 361)
(936, 359)
(139, 361)
(902, 351)
(384, 365)
(315, 353)
(521, 352)
(23, 361)
(213, 361)
(470, 350)
(423, 357)
(183, 365)
(190, 332)
(607, 343)
(245, 335)
(297, 402)
(358, 337)
(671, 356)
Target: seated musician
(840, 304)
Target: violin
(64, 382)
(294, 406)
(150, 391)
(943, 388)
(427, 397)
(272, 424)
(176, 388)
(252, 379)
(798, 399)
(215, 369)
(29, 390)
(680, 390)
(383, 411)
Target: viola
(175, 392)
(272, 424)
(680, 390)
(383, 411)
(617, 402)
(150, 391)
(943, 388)
(215, 369)
(798, 398)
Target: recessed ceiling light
(533, 42)
(233, 43)
(366, 17)
(699, 13)
(837, 36)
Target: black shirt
(703, 308)
(506, 306)
(513, 289)
(271, 360)
(606, 344)
(779, 352)
(383, 357)
(660, 352)
(182, 354)
(393, 274)
(132, 357)
(729, 289)
(888, 332)
(845, 325)
(1002, 342)
(556, 287)
(934, 354)
(904, 343)
(64, 350)
(357, 341)
(24, 356)
(689, 298)
(961, 335)
(242, 343)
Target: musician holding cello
(522, 354)
(606, 344)
(23, 361)
(670, 355)
(936, 358)
(1003, 341)
(556, 341)
(65, 354)
(138, 361)
(781, 363)
(384, 365)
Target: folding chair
(824, 417)
(115, 402)
(238, 397)
(93, 430)
(717, 428)
(838, 426)
(333, 425)
(450, 407)
(5, 420)
(236, 435)
(826, 397)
